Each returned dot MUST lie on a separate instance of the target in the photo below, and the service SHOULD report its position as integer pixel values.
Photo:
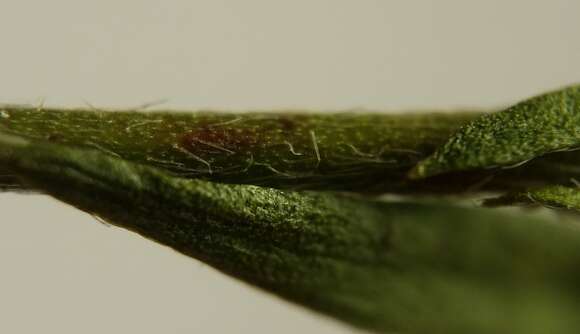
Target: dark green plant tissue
(290, 202)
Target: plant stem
(361, 152)
(342, 151)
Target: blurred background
(64, 272)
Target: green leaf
(556, 197)
(541, 125)
(388, 267)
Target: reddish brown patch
(218, 140)
(288, 123)
(291, 122)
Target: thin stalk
(360, 152)
(340, 151)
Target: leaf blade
(543, 124)
(554, 197)
(407, 267)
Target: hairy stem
(343, 151)
(361, 152)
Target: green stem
(342, 151)
(362, 152)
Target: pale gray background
(62, 272)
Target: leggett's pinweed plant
(288, 202)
